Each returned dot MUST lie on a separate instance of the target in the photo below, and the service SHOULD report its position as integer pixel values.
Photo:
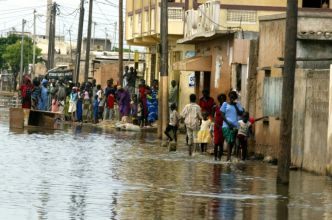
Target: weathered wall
(329, 131)
(314, 49)
(184, 89)
(241, 51)
(266, 134)
(310, 120)
(219, 49)
(271, 42)
(105, 72)
(271, 46)
(298, 118)
(252, 78)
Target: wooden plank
(16, 118)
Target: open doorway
(315, 3)
(202, 82)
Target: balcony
(202, 22)
(212, 19)
(143, 25)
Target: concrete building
(143, 29)
(105, 65)
(311, 98)
(97, 44)
(225, 36)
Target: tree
(11, 56)
(4, 42)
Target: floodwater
(86, 173)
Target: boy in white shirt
(243, 134)
(192, 118)
(174, 119)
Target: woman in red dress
(143, 97)
(26, 90)
(217, 131)
(207, 104)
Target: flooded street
(86, 173)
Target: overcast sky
(13, 11)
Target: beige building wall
(218, 49)
(271, 39)
(106, 71)
(184, 89)
(267, 3)
(309, 140)
(329, 130)
(143, 29)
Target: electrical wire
(225, 27)
(105, 17)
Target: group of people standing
(206, 121)
(209, 122)
(88, 102)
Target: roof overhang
(204, 36)
(198, 63)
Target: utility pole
(50, 34)
(115, 27)
(79, 43)
(163, 88)
(88, 41)
(22, 54)
(51, 38)
(106, 35)
(71, 48)
(284, 154)
(121, 42)
(34, 45)
(94, 35)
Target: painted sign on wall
(191, 79)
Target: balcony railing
(204, 19)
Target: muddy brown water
(88, 173)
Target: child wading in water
(55, 104)
(173, 123)
(217, 136)
(245, 129)
(204, 134)
(243, 134)
(192, 116)
(140, 120)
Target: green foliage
(4, 42)
(10, 52)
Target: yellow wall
(276, 3)
(184, 89)
(245, 26)
(137, 32)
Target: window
(139, 23)
(175, 13)
(130, 21)
(315, 3)
(272, 96)
(241, 16)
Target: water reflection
(44, 199)
(282, 202)
(113, 206)
(84, 172)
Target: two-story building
(225, 35)
(143, 29)
(310, 148)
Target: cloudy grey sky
(13, 11)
